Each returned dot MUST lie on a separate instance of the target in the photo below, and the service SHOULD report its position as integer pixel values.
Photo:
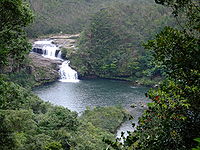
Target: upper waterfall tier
(47, 49)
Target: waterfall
(47, 49)
(67, 73)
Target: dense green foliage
(173, 118)
(108, 118)
(14, 16)
(198, 147)
(108, 49)
(111, 45)
(22, 78)
(66, 16)
(170, 122)
(29, 123)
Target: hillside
(107, 48)
(113, 32)
(66, 16)
(111, 44)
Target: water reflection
(77, 96)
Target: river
(76, 96)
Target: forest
(65, 19)
(145, 42)
(111, 45)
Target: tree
(102, 45)
(14, 16)
(189, 9)
(110, 46)
(173, 118)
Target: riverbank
(68, 46)
(147, 82)
(97, 93)
(36, 124)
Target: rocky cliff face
(37, 70)
(43, 69)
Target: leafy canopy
(14, 16)
(173, 118)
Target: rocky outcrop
(43, 69)
(65, 41)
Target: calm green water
(77, 96)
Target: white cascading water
(67, 74)
(49, 50)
